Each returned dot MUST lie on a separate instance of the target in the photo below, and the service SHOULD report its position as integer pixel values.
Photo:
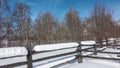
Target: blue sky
(59, 7)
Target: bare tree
(101, 22)
(5, 22)
(38, 29)
(45, 28)
(23, 20)
(74, 26)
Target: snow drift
(12, 51)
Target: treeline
(18, 29)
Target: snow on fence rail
(88, 42)
(13, 51)
(49, 47)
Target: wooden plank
(55, 56)
(13, 65)
(13, 57)
(86, 49)
(49, 47)
(33, 52)
(29, 57)
(95, 50)
(104, 52)
(86, 45)
(79, 54)
(103, 45)
(118, 48)
(107, 58)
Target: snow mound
(12, 51)
(88, 42)
(49, 47)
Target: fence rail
(97, 57)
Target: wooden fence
(95, 51)
(31, 51)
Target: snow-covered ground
(92, 63)
(95, 63)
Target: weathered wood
(34, 52)
(98, 45)
(107, 45)
(95, 50)
(118, 55)
(13, 57)
(79, 54)
(13, 65)
(107, 58)
(104, 52)
(87, 48)
(107, 41)
(54, 56)
(29, 56)
(118, 48)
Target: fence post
(29, 56)
(101, 43)
(79, 53)
(107, 42)
(95, 50)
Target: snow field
(93, 63)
